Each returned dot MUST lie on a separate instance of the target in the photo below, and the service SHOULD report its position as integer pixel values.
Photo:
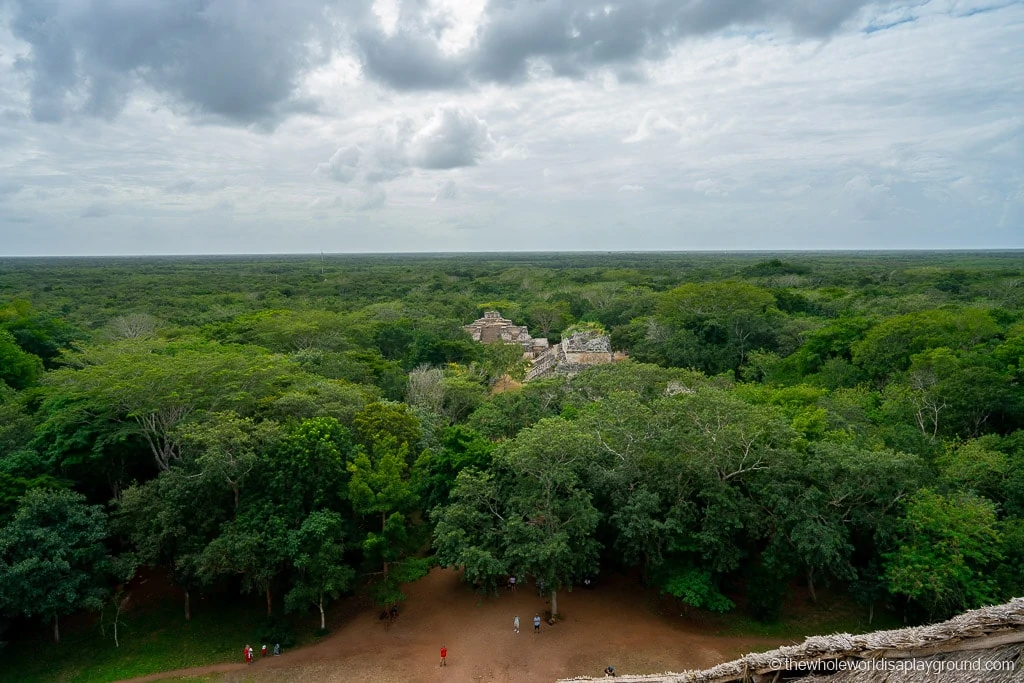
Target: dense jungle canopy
(300, 427)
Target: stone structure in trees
(576, 352)
(493, 328)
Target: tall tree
(531, 517)
(948, 546)
(253, 546)
(318, 555)
(154, 387)
(52, 556)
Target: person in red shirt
(248, 654)
(444, 656)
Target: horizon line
(862, 250)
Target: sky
(347, 126)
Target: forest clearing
(612, 624)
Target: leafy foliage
(277, 426)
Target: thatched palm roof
(982, 645)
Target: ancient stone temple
(493, 328)
(576, 352)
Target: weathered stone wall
(575, 354)
(589, 358)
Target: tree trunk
(188, 606)
(871, 612)
(554, 603)
(810, 585)
(56, 629)
(270, 604)
(383, 522)
(323, 624)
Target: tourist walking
(444, 656)
(515, 624)
(247, 652)
(277, 649)
(536, 623)
(263, 651)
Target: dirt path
(609, 625)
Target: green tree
(534, 518)
(501, 359)
(318, 555)
(52, 556)
(309, 469)
(888, 347)
(39, 333)
(381, 420)
(169, 522)
(736, 313)
(833, 495)
(18, 368)
(947, 547)
(254, 546)
(549, 316)
(461, 447)
(227, 448)
(154, 387)
(380, 486)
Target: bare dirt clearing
(611, 624)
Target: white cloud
(343, 164)
(452, 137)
(653, 125)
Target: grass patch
(154, 639)
(799, 621)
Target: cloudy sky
(266, 126)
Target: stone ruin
(576, 352)
(493, 328)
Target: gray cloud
(237, 60)
(572, 37)
(242, 61)
(408, 60)
(452, 137)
